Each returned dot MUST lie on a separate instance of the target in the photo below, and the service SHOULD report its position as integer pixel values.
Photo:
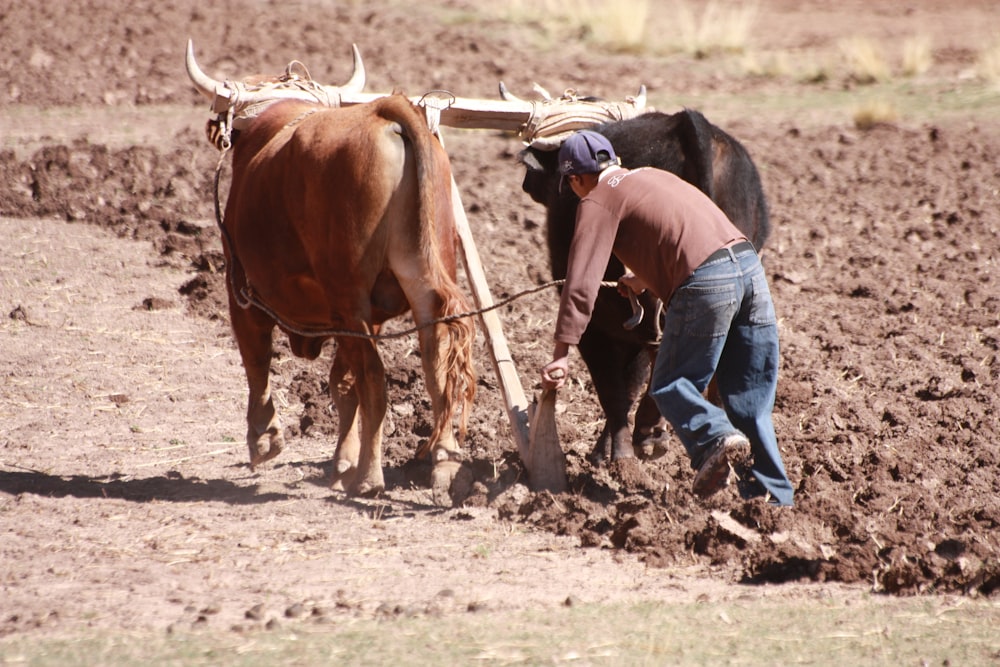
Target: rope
(245, 298)
(324, 333)
(552, 120)
(296, 77)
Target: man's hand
(630, 281)
(555, 373)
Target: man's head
(583, 156)
(586, 152)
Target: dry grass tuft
(772, 65)
(637, 26)
(620, 24)
(865, 62)
(719, 29)
(617, 24)
(873, 113)
(811, 72)
(988, 64)
(917, 55)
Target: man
(719, 320)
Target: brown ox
(340, 219)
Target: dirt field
(125, 498)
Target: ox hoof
(362, 489)
(344, 476)
(650, 450)
(600, 454)
(622, 453)
(349, 478)
(451, 483)
(258, 455)
(650, 443)
(368, 490)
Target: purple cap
(586, 152)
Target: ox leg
(443, 349)
(254, 337)
(357, 385)
(649, 435)
(344, 392)
(611, 366)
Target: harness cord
(325, 333)
(233, 263)
(245, 297)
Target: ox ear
(529, 158)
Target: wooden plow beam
(533, 427)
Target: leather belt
(723, 253)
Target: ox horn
(212, 89)
(506, 95)
(205, 84)
(541, 91)
(640, 99)
(356, 83)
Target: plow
(540, 123)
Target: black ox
(619, 360)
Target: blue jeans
(721, 322)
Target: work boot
(713, 474)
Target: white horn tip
(640, 99)
(541, 91)
(356, 84)
(204, 83)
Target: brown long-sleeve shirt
(658, 225)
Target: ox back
(686, 144)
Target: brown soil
(125, 498)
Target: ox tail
(460, 374)
(437, 224)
